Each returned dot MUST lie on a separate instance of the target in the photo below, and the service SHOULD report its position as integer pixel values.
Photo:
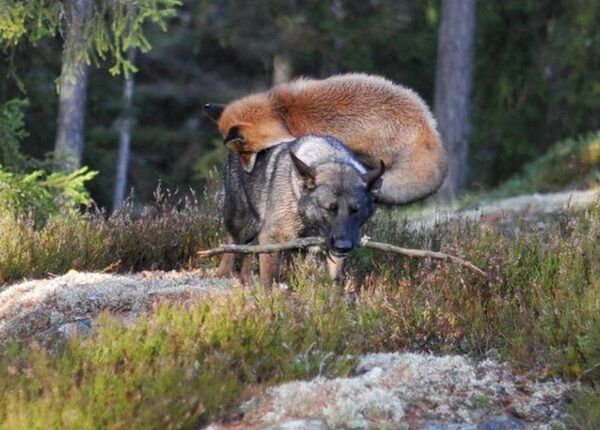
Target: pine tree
(93, 31)
(453, 90)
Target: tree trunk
(124, 137)
(453, 89)
(282, 68)
(69, 145)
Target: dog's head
(337, 198)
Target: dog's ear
(306, 172)
(373, 177)
(213, 111)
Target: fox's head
(248, 126)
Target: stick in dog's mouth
(365, 242)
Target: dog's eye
(331, 207)
(353, 209)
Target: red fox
(379, 120)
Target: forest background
(535, 79)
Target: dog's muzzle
(341, 248)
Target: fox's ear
(234, 137)
(373, 177)
(213, 110)
(306, 172)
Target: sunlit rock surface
(409, 391)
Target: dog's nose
(342, 246)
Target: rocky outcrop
(50, 309)
(533, 206)
(411, 391)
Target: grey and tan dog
(312, 186)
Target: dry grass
(164, 236)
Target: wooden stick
(419, 253)
(271, 248)
(307, 242)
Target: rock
(502, 423)
(503, 212)
(304, 424)
(72, 328)
(46, 309)
(439, 426)
(392, 390)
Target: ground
(392, 390)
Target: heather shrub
(164, 235)
(183, 366)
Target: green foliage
(119, 27)
(26, 188)
(32, 20)
(39, 194)
(572, 163)
(113, 28)
(535, 81)
(12, 131)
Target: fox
(306, 187)
(376, 118)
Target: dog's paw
(282, 286)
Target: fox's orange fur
(376, 118)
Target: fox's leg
(225, 269)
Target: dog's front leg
(225, 269)
(246, 271)
(269, 269)
(335, 265)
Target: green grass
(184, 366)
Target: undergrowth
(573, 163)
(165, 235)
(180, 367)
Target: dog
(312, 186)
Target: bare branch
(419, 253)
(307, 242)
